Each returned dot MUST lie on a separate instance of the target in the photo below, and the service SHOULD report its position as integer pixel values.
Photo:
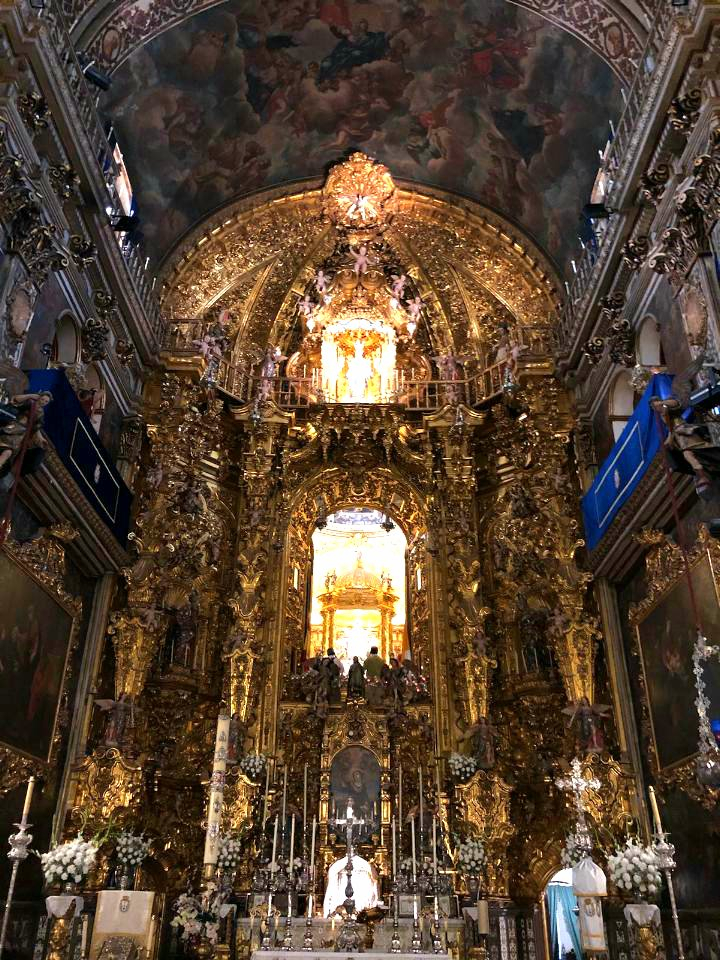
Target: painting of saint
(667, 637)
(355, 779)
(34, 641)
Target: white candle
(28, 799)
(434, 835)
(439, 785)
(217, 788)
(655, 811)
(312, 846)
(420, 791)
(274, 850)
(305, 803)
(394, 851)
(292, 845)
(400, 816)
(284, 799)
(483, 917)
(267, 789)
(412, 839)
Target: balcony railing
(84, 111)
(654, 65)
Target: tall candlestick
(312, 846)
(438, 782)
(215, 802)
(655, 811)
(266, 939)
(287, 942)
(19, 843)
(274, 849)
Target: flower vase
(643, 921)
(203, 948)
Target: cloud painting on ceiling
(483, 98)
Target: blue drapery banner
(561, 899)
(77, 444)
(626, 464)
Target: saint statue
(482, 743)
(587, 719)
(119, 716)
(359, 371)
(356, 680)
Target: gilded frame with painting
(665, 630)
(37, 636)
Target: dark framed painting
(666, 637)
(36, 630)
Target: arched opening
(622, 402)
(649, 346)
(562, 917)
(358, 586)
(66, 343)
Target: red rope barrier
(17, 467)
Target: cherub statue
(322, 282)
(414, 307)
(361, 259)
(306, 306)
(587, 719)
(398, 288)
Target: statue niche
(355, 781)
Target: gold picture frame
(38, 636)
(664, 633)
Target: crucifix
(349, 939)
(579, 785)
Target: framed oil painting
(666, 637)
(36, 631)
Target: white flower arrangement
(229, 853)
(69, 862)
(131, 849)
(198, 916)
(253, 765)
(574, 850)
(471, 856)
(461, 767)
(635, 869)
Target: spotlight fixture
(93, 73)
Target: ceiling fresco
(483, 98)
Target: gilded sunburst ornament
(359, 194)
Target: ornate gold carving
(358, 194)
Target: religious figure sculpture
(13, 427)
(356, 680)
(361, 259)
(268, 371)
(587, 719)
(119, 716)
(690, 446)
(398, 288)
(359, 369)
(482, 737)
(330, 672)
